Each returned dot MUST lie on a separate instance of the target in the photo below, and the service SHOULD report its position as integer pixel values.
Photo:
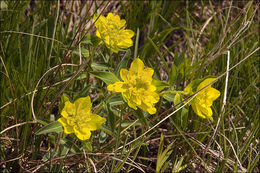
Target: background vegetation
(46, 49)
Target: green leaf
(185, 68)
(49, 155)
(81, 76)
(169, 96)
(139, 114)
(160, 149)
(174, 75)
(102, 136)
(177, 99)
(123, 63)
(111, 117)
(106, 130)
(83, 93)
(177, 167)
(100, 66)
(66, 146)
(52, 127)
(107, 77)
(127, 123)
(116, 100)
(91, 40)
(64, 98)
(162, 156)
(164, 160)
(184, 117)
(160, 85)
(179, 59)
(41, 120)
(119, 166)
(84, 52)
(87, 145)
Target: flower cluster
(112, 30)
(137, 87)
(202, 103)
(76, 118)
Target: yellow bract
(203, 101)
(76, 118)
(112, 30)
(137, 87)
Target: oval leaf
(52, 127)
(84, 52)
(100, 66)
(107, 77)
(160, 85)
(169, 96)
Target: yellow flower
(137, 87)
(76, 118)
(112, 30)
(203, 101)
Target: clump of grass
(49, 53)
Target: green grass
(181, 45)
